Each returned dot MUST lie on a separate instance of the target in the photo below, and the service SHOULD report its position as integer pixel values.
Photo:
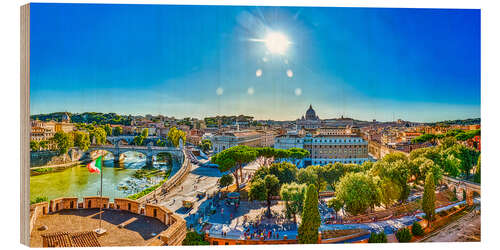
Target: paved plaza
(135, 230)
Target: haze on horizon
(420, 65)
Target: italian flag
(96, 165)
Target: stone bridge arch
(150, 151)
(471, 189)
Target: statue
(181, 143)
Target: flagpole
(100, 203)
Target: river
(118, 181)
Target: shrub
(377, 238)
(403, 235)
(417, 229)
(38, 199)
(194, 239)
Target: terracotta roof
(66, 239)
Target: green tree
(285, 171)
(312, 175)
(138, 140)
(175, 134)
(206, 145)
(332, 173)
(117, 131)
(63, 141)
(82, 140)
(194, 239)
(108, 130)
(429, 197)
(293, 194)
(44, 144)
(377, 238)
(390, 191)
(296, 154)
(281, 154)
(264, 189)
(395, 167)
(98, 135)
(468, 157)
(34, 146)
(38, 199)
(145, 132)
(160, 143)
(424, 138)
(311, 220)
(233, 159)
(336, 204)
(225, 181)
(452, 165)
(416, 229)
(358, 192)
(266, 152)
(477, 174)
(403, 235)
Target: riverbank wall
(52, 158)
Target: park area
(278, 201)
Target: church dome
(311, 114)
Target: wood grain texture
(25, 126)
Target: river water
(118, 181)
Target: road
(199, 179)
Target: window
(89, 204)
(71, 204)
(129, 206)
(154, 213)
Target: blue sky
(197, 61)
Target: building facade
(225, 140)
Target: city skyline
(419, 65)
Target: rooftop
(73, 226)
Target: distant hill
(87, 117)
(457, 122)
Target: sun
(276, 42)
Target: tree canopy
(311, 220)
(63, 141)
(174, 135)
(293, 194)
(358, 192)
(232, 160)
(264, 189)
(429, 197)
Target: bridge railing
(448, 178)
(137, 147)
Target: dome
(311, 114)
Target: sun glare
(276, 43)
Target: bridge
(149, 151)
(459, 186)
(128, 139)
